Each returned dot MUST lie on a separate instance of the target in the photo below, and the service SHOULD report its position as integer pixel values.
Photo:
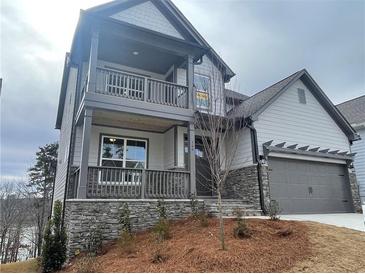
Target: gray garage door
(309, 187)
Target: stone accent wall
(355, 190)
(243, 184)
(264, 170)
(82, 216)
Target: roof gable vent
(301, 96)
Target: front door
(204, 185)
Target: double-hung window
(126, 153)
(202, 89)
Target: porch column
(84, 159)
(93, 60)
(191, 160)
(190, 81)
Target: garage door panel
(309, 187)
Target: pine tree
(54, 247)
(41, 180)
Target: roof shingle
(353, 110)
(257, 101)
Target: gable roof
(354, 110)
(179, 20)
(257, 103)
(235, 95)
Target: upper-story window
(202, 88)
(301, 96)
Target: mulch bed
(193, 248)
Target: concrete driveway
(349, 220)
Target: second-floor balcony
(137, 87)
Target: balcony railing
(112, 182)
(136, 87)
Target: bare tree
(219, 133)
(12, 218)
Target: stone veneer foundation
(243, 184)
(355, 190)
(84, 216)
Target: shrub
(194, 206)
(127, 242)
(95, 241)
(284, 232)
(241, 231)
(159, 254)
(161, 209)
(124, 218)
(86, 264)
(162, 230)
(274, 210)
(203, 217)
(54, 246)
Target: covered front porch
(121, 155)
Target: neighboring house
(354, 111)
(136, 74)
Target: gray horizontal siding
(287, 120)
(65, 136)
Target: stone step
(229, 207)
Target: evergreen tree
(54, 247)
(41, 180)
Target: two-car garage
(301, 186)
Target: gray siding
(359, 148)
(65, 136)
(242, 154)
(156, 145)
(207, 68)
(147, 15)
(288, 120)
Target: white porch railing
(136, 87)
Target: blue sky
(262, 41)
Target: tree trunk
(221, 223)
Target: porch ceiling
(120, 50)
(132, 121)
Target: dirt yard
(193, 248)
(334, 249)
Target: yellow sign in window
(202, 99)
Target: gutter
(255, 154)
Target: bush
(124, 218)
(54, 245)
(241, 231)
(162, 230)
(203, 217)
(284, 232)
(159, 254)
(161, 209)
(274, 210)
(194, 206)
(95, 241)
(127, 242)
(86, 264)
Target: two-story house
(136, 74)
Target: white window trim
(124, 160)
